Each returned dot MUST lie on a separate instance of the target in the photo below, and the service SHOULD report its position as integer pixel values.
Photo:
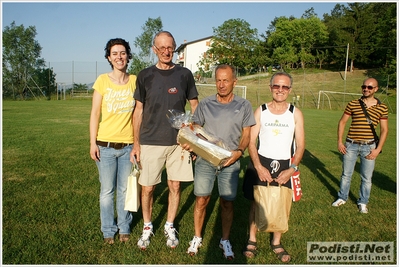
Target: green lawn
(51, 190)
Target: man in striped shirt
(360, 141)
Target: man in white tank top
(276, 137)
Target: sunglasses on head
(368, 87)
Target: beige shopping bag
(132, 201)
(273, 206)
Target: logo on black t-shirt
(172, 90)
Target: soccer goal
(80, 93)
(205, 90)
(335, 100)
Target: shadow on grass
(161, 196)
(318, 168)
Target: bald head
(370, 81)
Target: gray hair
(280, 73)
(168, 34)
(227, 66)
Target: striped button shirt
(360, 128)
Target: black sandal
(280, 254)
(250, 253)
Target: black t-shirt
(159, 91)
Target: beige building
(190, 53)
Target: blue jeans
(114, 168)
(366, 171)
(205, 175)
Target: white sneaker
(338, 202)
(227, 249)
(362, 208)
(144, 240)
(172, 240)
(195, 244)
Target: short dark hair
(227, 66)
(281, 73)
(117, 41)
(168, 34)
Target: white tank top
(276, 135)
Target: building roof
(182, 46)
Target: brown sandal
(280, 254)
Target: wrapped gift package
(204, 145)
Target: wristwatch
(294, 166)
(242, 151)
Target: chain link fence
(322, 90)
(75, 72)
(325, 90)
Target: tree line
(363, 33)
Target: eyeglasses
(163, 49)
(368, 87)
(276, 87)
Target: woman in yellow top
(111, 139)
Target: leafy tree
(370, 30)
(21, 57)
(309, 13)
(321, 56)
(360, 27)
(143, 42)
(385, 37)
(137, 64)
(44, 78)
(292, 40)
(260, 56)
(338, 37)
(308, 33)
(206, 64)
(80, 87)
(355, 25)
(272, 56)
(234, 43)
(272, 26)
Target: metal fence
(305, 93)
(69, 73)
(324, 90)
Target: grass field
(307, 86)
(51, 189)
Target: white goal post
(205, 90)
(326, 93)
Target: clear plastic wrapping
(205, 145)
